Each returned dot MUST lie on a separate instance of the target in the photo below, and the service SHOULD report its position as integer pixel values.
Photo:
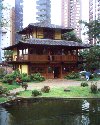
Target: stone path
(52, 83)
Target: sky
(30, 11)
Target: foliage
(24, 85)
(92, 58)
(8, 53)
(84, 84)
(72, 75)
(11, 77)
(71, 36)
(2, 72)
(45, 89)
(37, 77)
(3, 20)
(93, 29)
(3, 90)
(36, 93)
(94, 88)
(7, 78)
(25, 77)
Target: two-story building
(44, 51)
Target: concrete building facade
(71, 14)
(18, 18)
(43, 10)
(94, 9)
(4, 27)
(94, 14)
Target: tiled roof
(45, 24)
(48, 42)
(51, 42)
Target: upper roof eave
(45, 25)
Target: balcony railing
(46, 58)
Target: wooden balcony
(46, 58)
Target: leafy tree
(3, 20)
(93, 29)
(71, 36)
(92, 58)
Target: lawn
(9, 87)
(75, 91)
(2, 99)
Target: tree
(93, 29)
(3, 20)
(71, 36)
(92, 57)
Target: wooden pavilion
(42, 50)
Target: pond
(51, 112)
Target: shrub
(11, 77)
(84, 84)
(2, 72)
(24, 85)
(3, 90)
(94, 87)
(36, 93)
(15, 74)
(37, 77)
(25, 78)
(72, 75)
(8, 78)
(45, 89)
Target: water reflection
(64, 112)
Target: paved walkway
(52, 83)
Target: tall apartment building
(4, 28)
(71, 14)
(12, 26)
(0, 26)
(18, 18)
(43, 10)
(94, 14)
(94, 9)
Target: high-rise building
(0, 26)
(43, 10)
(94, 9)
(18, 18)
(94, 14)
(4, 28)
(71, 14)
(12, 26)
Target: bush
(3, 90)
(36, 93)
(37, 77)
(45, 89)
(72, 75)
(2, 72)
(8, 79)
(94, 87)
(84, 84)
(25, 85)
(26, 78)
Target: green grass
(59, 92)
(2, 99)
(9, 87)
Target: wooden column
(77, 54)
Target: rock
(66, 90)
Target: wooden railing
(46, 58)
